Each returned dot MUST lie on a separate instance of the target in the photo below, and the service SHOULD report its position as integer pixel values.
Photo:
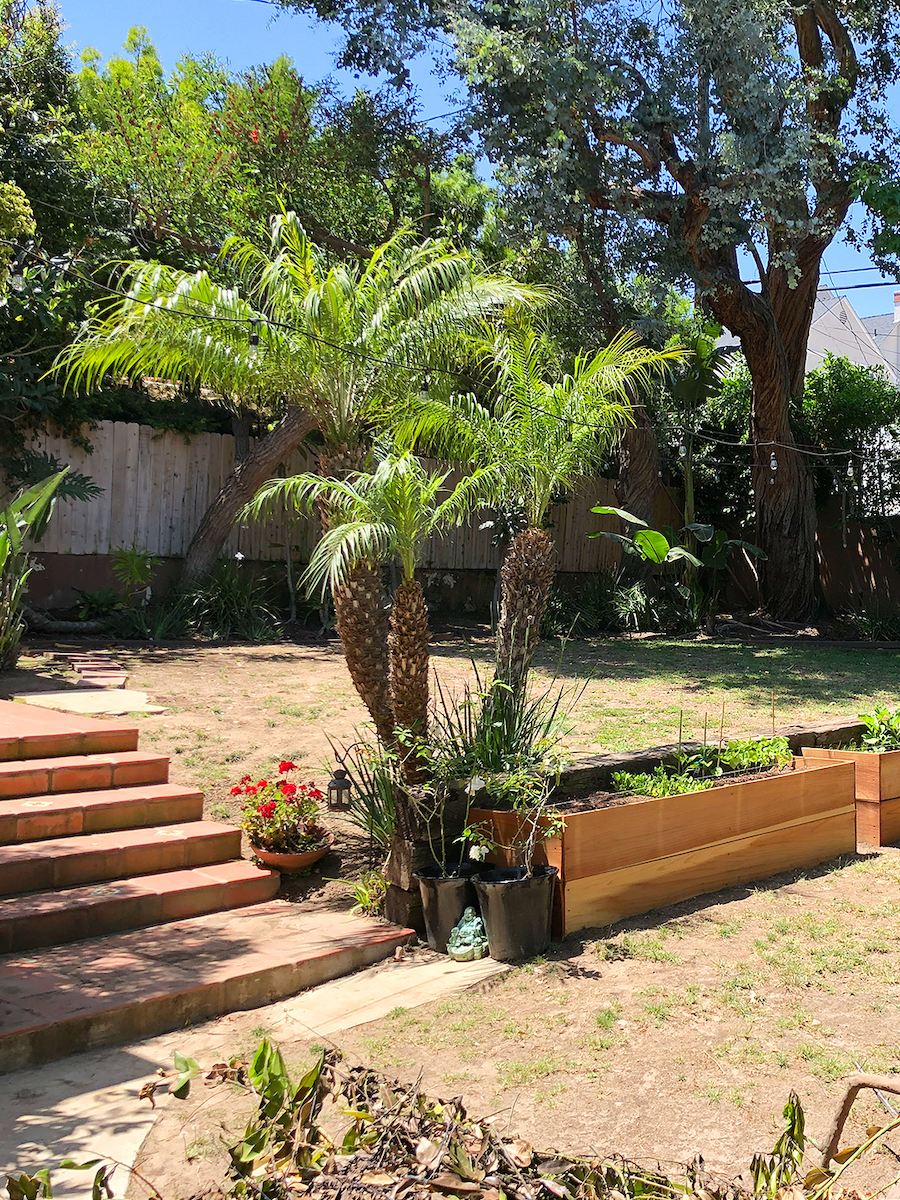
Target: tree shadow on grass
(798, 673)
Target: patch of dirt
(676, 1033)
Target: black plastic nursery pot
(445, 896)
(517, 910)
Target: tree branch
(614, 138)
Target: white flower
(475, 785)
(239, 556)
(478, 853)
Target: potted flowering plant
(281, 820)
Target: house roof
(879, 327)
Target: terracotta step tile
(132, 985)
(29, 732)
(51, 918)
(28, 819)
(81, 772)
(92, 858)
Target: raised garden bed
(622, 859)
(877, 791)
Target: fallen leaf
(520, 1152)
(428, 1154)
(452, 1183)
(377, 1179)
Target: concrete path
(92, 700)
(87, 1104)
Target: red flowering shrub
(280, 816)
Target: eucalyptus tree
(317, 345)
(545, 429)
(387, 515)
(721, 137)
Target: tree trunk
(773, 328)
(360, 614)
(638, 481)
(784, 498)
(526, 580)
(240, 428)
(242, 485)
(408, 644)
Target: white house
(837, 329)
(884, 331)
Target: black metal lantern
(339, 789)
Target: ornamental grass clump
(280, 816)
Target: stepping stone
(101, 700)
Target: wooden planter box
(618, 862)
(877, 791)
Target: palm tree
(336, 345)
(546, 429)
(389, 514)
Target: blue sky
(245, 32)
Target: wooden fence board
(157, 486)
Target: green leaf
(606, 510)
(679, 553)
(703, 533)
(652, 545)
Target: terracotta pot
(288, 863)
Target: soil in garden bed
(594, 800)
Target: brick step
(72, 861)
(66, 813)
(51, 918)
(30, 732)
(133, 985)
(81, 772)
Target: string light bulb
(254, 336)
(682, 450)
(773, 466)
(849, 468)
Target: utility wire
(418, 369)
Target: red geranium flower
(246, 778)
(267, 810)
(263, 783)
(288, 789)
(236, 791)
(251, 791)
(284, 767)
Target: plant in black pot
(517, 901)
(446, 884)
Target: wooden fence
(157, 486)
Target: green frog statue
(468, 940)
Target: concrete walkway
(87, 1105)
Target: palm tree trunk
(360, 613)
(526, 580)
(408, 647)
(362, 625)
(248, 476)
